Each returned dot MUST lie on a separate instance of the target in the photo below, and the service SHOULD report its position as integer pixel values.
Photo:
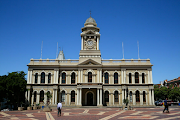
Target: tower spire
(90, 13)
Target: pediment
(89, 62)
(90, 32)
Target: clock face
(90, 43)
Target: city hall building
(90, 80)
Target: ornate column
(57, 76)
(97, 43)
(122, 96)
(119, 98)
(140, 78)
(45, 98)
(133, 78)
(29, 96)
(134, 98)
(125, 93)
(109, 98)
(39, 79)
(141, 98)
(82, 43)
(122, 76)
(30, 76)
(81, 76)
(100, 96)
(97, 81)
(54, 76)
(77, 96)
(152, 96)
(53, 96)
(150, 103)
(80, 96)
(113, 98)
(32, 100)
(100, 75)
(69, 98)
(46, 78)
(146, 98)
(60, 78)
(151, 77)
(76, 79)
(97, 96)
(38, 96)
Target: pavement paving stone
(92, 114)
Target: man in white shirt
(59, 107)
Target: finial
(90, 13)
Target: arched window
(130, 78)
(35, 93)
(116, 96)
(63, 78)
(106, 78)
(115, 78)
(136, 77)
(130, 96)
(106, 96)
(41, 96)
(137, 96)
(144, 96)
(49, 78)
(42, 77)
(143, 78)
(89, 76)
(36, 77)
(63, 96)
(73, 78)
(72, 96)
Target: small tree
(49, 96)
(125, 101)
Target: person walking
(59, 107)
(165, 106)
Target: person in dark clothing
(165, 106)
(59, 107)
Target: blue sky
(24, 24)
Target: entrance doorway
(89, 99)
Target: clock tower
(90, 41)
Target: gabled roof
(89, 62)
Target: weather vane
(90, 13)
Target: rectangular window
(130, 78)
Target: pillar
(29, 96)
(152, 96)
(125, 93)
(133, 78)
(82, 43)
(122, 95)
(150, 103)
(46, 78)
(37, 98)
(97, 96)
(101, 76)
(97, 76)
(26, 97)
(39, 78)
(30, 75)
(77, 96)
(134, 98)
(32, 100)
(57, 76)
(141, 98)
(151, 77)
(109, 98)
(113, 98)
(97, 43)
(80, 96)
(78, 76)
(28, 78)
(45, 98)
(119, 98)
(54, 76)
(69, 98)
(81, 76)
(122, 74)
(100, 96)
(53, 96)
(146, 99)
(140, 78)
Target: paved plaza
(93, 114)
